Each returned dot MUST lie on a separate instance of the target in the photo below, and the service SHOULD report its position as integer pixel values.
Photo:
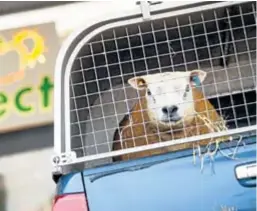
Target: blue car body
(168, 182)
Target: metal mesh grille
(221, 42)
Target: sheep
(170, 107)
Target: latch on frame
(64, 158)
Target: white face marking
(169, 97)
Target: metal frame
(68, 54)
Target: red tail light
(70, 202)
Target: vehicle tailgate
(175, 184)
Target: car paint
(166, 182)
(175, 184)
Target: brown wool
(137, 129)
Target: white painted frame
(64, 63)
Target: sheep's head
(169, 95)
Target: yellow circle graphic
(28, 58)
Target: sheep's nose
(170, 110)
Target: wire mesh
(222, 42)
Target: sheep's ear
(137, 83)
(197, 77)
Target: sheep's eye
(187, 88)
(149, 92)
(186, 91)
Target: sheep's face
(169, 95)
